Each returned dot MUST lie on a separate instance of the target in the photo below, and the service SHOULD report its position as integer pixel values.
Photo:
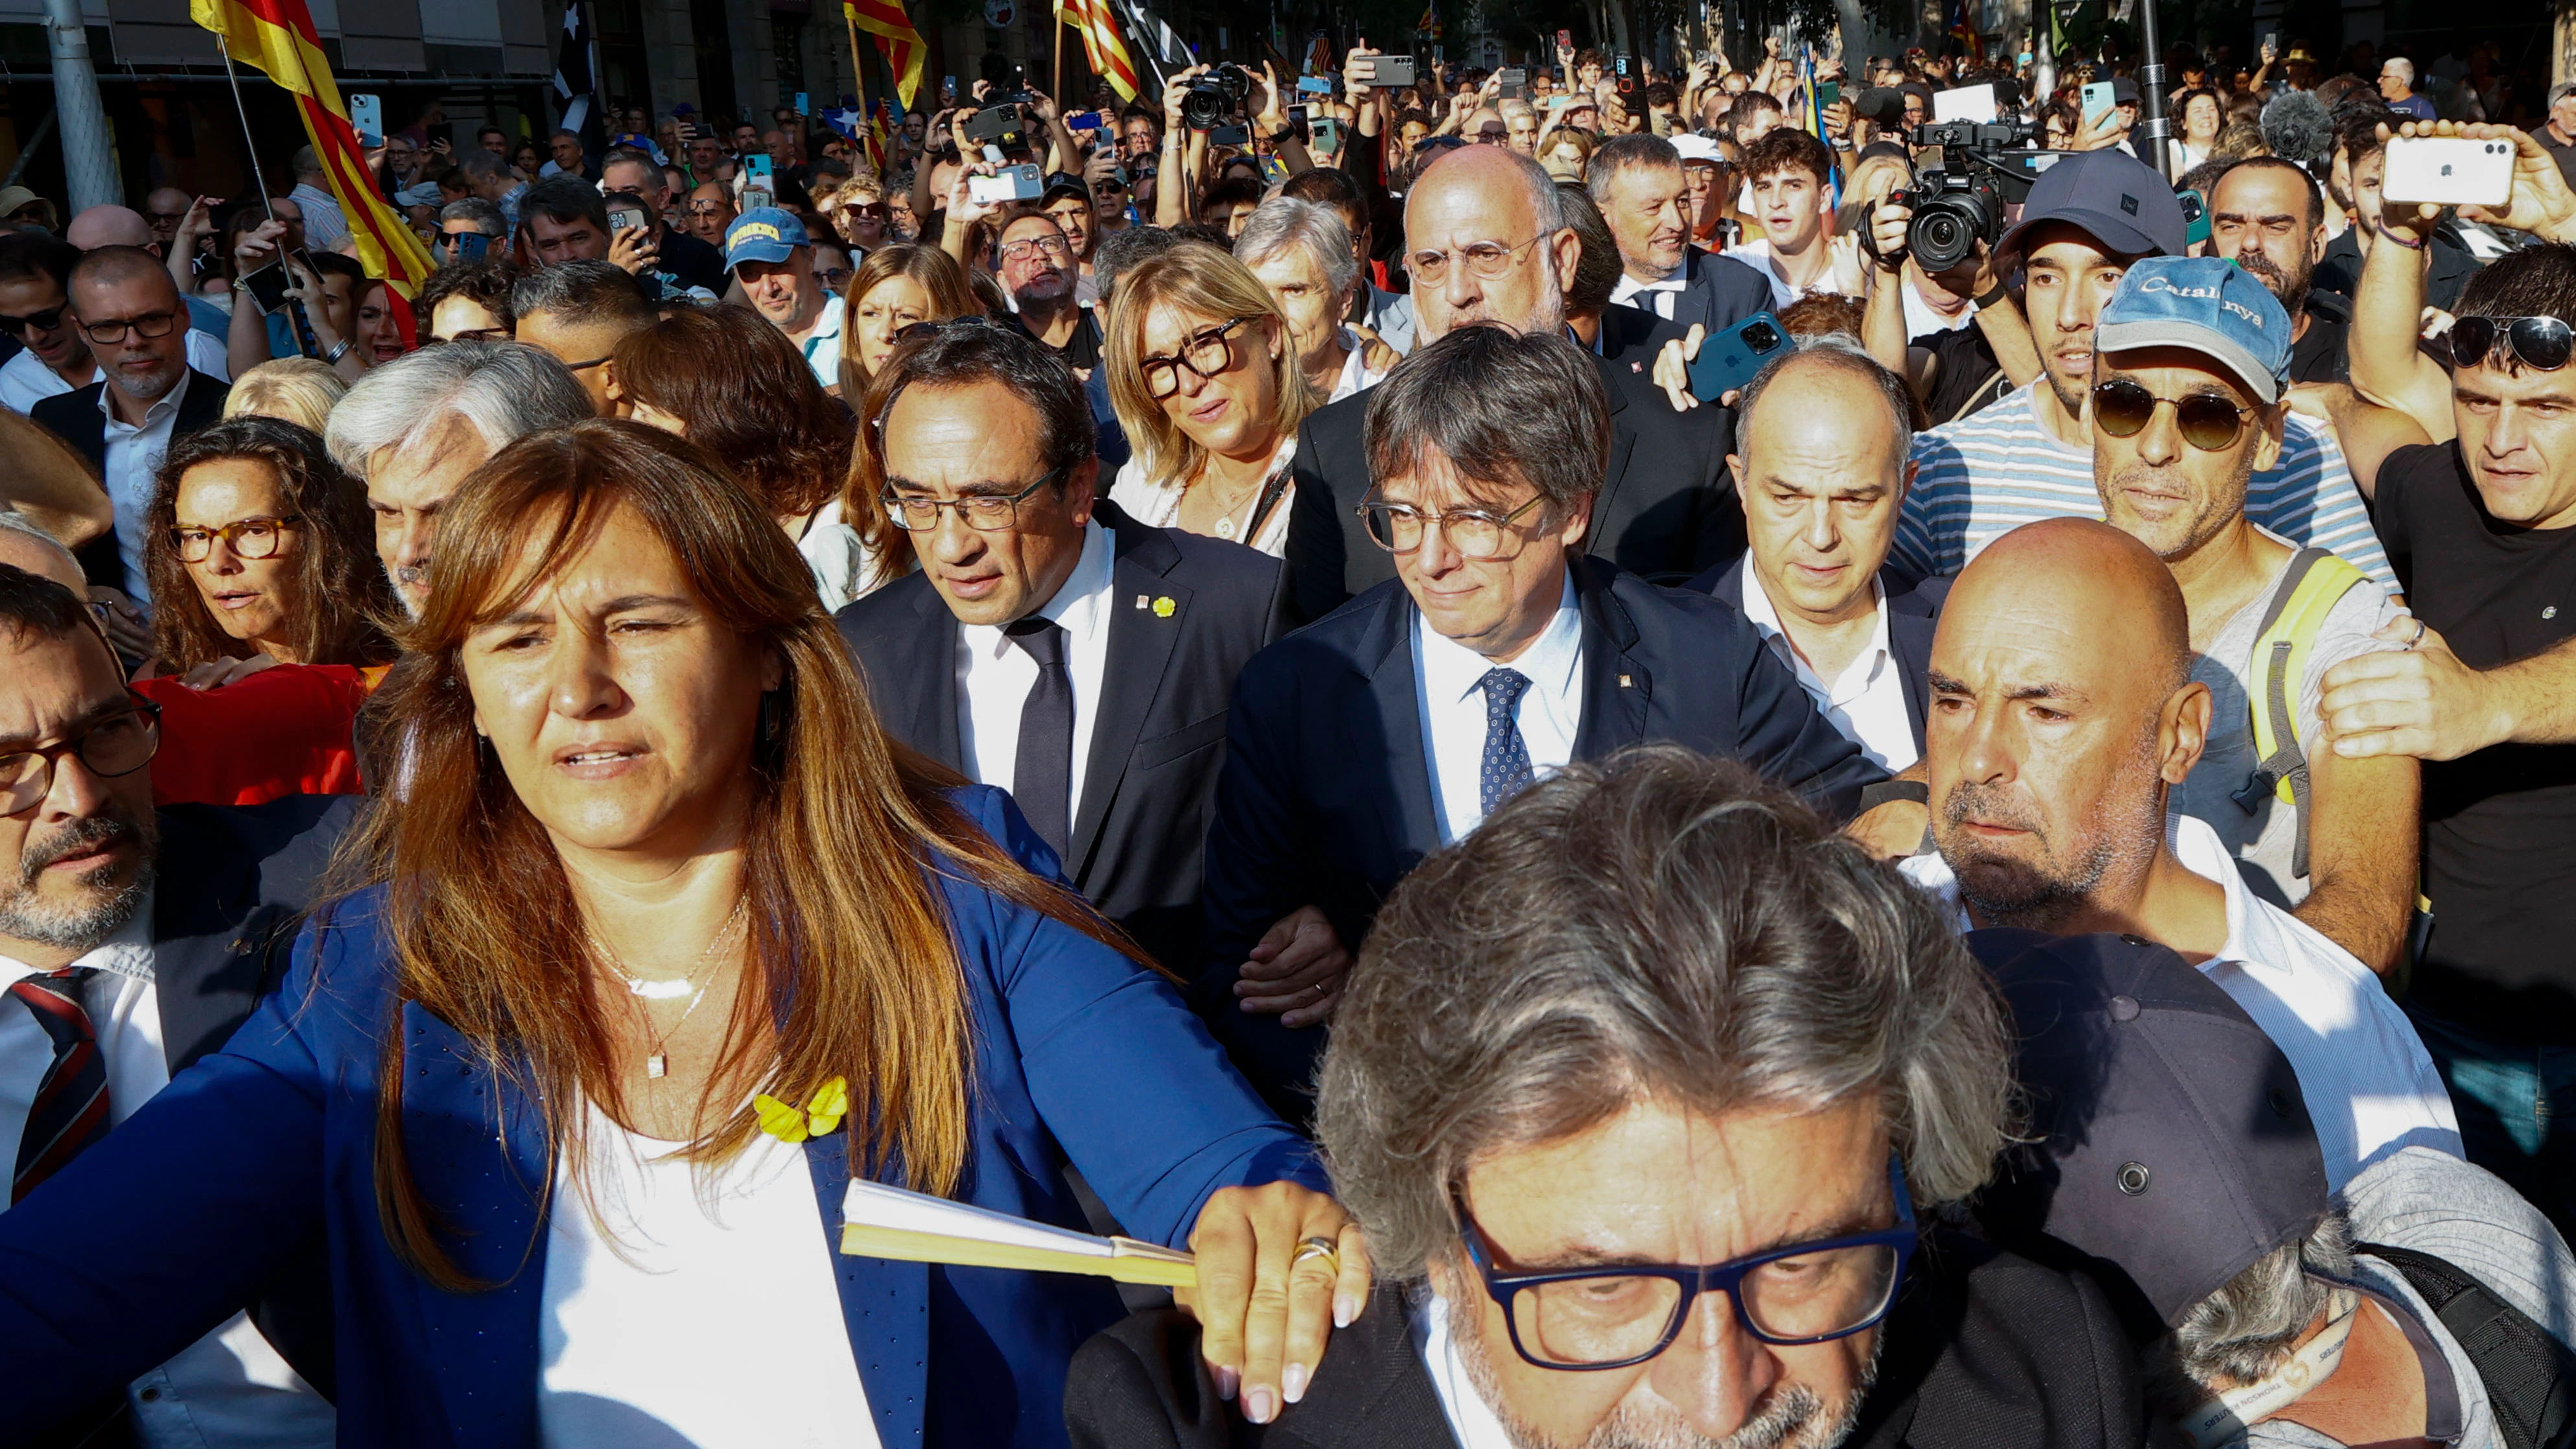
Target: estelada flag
(1101, 44)
(1965, 30)
(902, 45)
(278, 37)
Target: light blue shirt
(1451, 709)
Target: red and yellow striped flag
(278, 37)
(902, 45)
(1101, 44)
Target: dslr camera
(1216, 97)
(1966, 172)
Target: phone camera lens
(1761, 337)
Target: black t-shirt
(1965, 374)
(2499, 825)
(2320, 353)
(692, 262)
(1081, 351)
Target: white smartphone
(1011, 183)
(2448, 171)
(2097, 99)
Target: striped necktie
(71, 1101)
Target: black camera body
(1216, 97)
(1966, 173)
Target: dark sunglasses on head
(2540, 343)
(2208, 421)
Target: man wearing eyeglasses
(1498, 653)
(133, 942)
(1643, 1162)
(1049, 643)
(1036, 265)
(136, 324)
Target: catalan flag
(278, 37)
(901, 44)
(1101, 45)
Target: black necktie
(1042, 776)
(71, 1098)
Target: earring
(773, 713)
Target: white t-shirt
(707, 1314)
(1842, 275)
(2371, 1088)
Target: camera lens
(1941, 238)
(1761, 337)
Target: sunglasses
(2541, 343)
(45, 321)
(2208, 421)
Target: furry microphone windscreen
(2297, 128)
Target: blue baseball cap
(763, 234)
(2113, 197)
(2208, 305)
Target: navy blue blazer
(168, 1226)
(1913, 615)
(1717, 292)
(1326, 795)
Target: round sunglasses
(2207, 420)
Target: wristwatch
(1283, 133)
(1998, 292)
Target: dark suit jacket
(1983, 1350)
(1159, 736)
(1717, 292)
(1326, 796)
(1913, 614)
(1666, 508)
(74, 417)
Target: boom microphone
(2297, 128)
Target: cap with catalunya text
(2206, 305)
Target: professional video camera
(1965, 174)
(1215, 97)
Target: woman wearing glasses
(1209, 388)
(259, 547)
(669, 943)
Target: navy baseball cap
(1061, 184)
(763, 234)
(2115, 197)
(2167, 1141)
(2210, 306)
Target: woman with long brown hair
(256, 544)
(667, 944)
(897, 287)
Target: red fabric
(287, 730)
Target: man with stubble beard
(2268, 216)
(2064, 716)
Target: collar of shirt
(1856, 678)
(160, 411)
(1451, 671)
(1471, 1419)
(1629, 286)
(1081, 605)
(127, 952)
(1355, 375)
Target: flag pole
(1055, 79)
(858, 68)
(249, 144)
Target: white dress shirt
(822, 346)
(1357, 376)
(133, 458)
(1472, 1421)
(2371, 1089)
(994, 675)
(226, 1389)
(1866, 702)
(1451, 710)
(1655, 297)
(25, 382)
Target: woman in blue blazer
(659, 944)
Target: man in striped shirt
(2030, 455)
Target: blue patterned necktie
(70, 1110)
(1507, 763)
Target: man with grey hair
(1499, 653)
(1643, 194)
(1487, 240)
(1823, 437)
(1301, 251)
(2397, 87)
(326, 227)
(1678, 1190)
(412, 429)
(472, 216)
(2557, 132)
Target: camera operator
(1953, 371)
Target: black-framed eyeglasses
(2543, 344)
(982, 512)
(1476, 533)
(1055, 246)
(833, 278)
(45, 321)
(246, 537)
(1208, 355)
(1587, 1319)
(587, 366)
(1486, 259)
(108, 331)
(2207, 420)
(118, 743)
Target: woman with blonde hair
(668, 946)
(1208, 386)
(298, 390)
(897, 287)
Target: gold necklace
(658, 1062)
(1225, 525)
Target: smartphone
(1622, 64)
(471, 245)
(1728, 360)
(1391, 70)
(1565, 40)
(621, 218)
(1828, 92)
(994, 124)
(268, 286)
(803, 107)
(757, 166)
(1011, 183)
(2448, 171)
(2195, 217)
(367, 118)
(2097, 100)
(1296, 115)
(1324, 134)
(1230, 136)
(1512, 83)
(1274, 171)
(1084, 121)
(948, 91)
(1315, 85)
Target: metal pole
(27, 151)
(249, 143)
(2151, 91)
(89, 160)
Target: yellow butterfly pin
(792, 1124)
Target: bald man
(1487, 241)
(2064, 716)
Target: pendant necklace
(1225, 525)
(658, 1062)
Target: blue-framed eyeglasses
(1615, 1317)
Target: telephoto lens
(1214, 97)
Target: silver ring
(2419, 633)
(1323, 1248)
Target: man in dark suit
(1639, 183)
(1598, 1053)
(1661, 498)
(1823, 467)
(1146, 629)
(1370, 739)
(131, 944)
(137, 326)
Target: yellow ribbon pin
(792, 1124)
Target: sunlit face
(2200, 119)
(1522, 127)
(1495, 606)
(1822, 479)
(580, 345)
(458, 315)
(785, 292)
(619, 706)
(2260, 219)
(56, 345)
(1644, 206)
(250, 599)
(1305, 295)
(375, 332)
(1472, 199)
(1073, 215)
(1036, 260)
(1235, 413)
(555, 242)
(1659, 1183)
(2067, 277)
(406, 488)
(1790, 204)
(76, 865)
(889, 307)
(2165, 492)
(2518, 435)
(959, 442)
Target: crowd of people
(1218, 672)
